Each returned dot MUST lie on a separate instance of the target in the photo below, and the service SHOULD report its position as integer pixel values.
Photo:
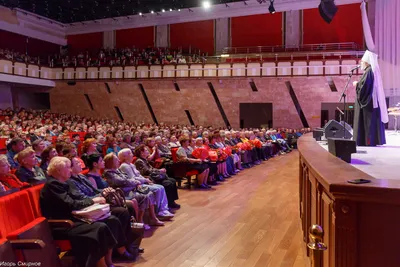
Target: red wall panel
(19, 43)
(136, 37)
(346, 26)
(82, 42)
(198, 35)
(257, 30)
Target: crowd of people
(126, 57)
(110, 57)
(84, 160)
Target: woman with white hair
(370, 111)
(92, 244)
(28, 171)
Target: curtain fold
(387, 41)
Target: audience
(78, 176)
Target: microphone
(356, 67)
(341, 112)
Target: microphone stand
(343, 96)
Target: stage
(380, 162)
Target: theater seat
(18, 223)
(34, 196)
(181, 171)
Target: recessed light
(206, 4)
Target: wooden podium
(360, 222)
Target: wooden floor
(250, 220)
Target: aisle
(250, 220)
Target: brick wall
(195, 96)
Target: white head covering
(378, 94)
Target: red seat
(181, 170)
(3, 146)
(18, 222)
(34, 196)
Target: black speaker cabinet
(334, 129)
(327, 10)
(318, 133)
(342, 148)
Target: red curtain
(136, 37)
(198, 35)
(82, 42)
(346, 26)
(257, 30)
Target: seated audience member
(76, 140)
(28, 171)
(49, 153)
(95, 164)
(71, 151)
(89, 147)
(112, 146)
(130, 170)
(82, 184)
(132, 187)
(162, 144)
(8, 179)
(158, 176)
(38, 146)
(15, 146)
(174, 142)
(126, 142)
(101, 142)
(92, 244)
(184, 155)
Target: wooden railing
(360, 222)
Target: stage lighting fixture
(140, 13)
(170, 9)
(271, 7)
(327, 10)
(163, 10)
(152, 12)
(206, 4)
(179, 9)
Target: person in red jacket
(7, 179)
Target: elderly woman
(92, 244)
(7, 179)
(184, 154)
(84, 186)
(28, 171)
(132, 187)
(127, 167)
(158, 176)
(47, 154)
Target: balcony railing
(300, 48)
(177, 71)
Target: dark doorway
(255, 115)
(330, 111)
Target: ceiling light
(163, 10)
(152, 12)
(206, 4)
(271, 7)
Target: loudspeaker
(71, 83)
(318, 133)
(334, 129)
(342, 148)
(327, 10)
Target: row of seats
(25, 235)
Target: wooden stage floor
(250, 220)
